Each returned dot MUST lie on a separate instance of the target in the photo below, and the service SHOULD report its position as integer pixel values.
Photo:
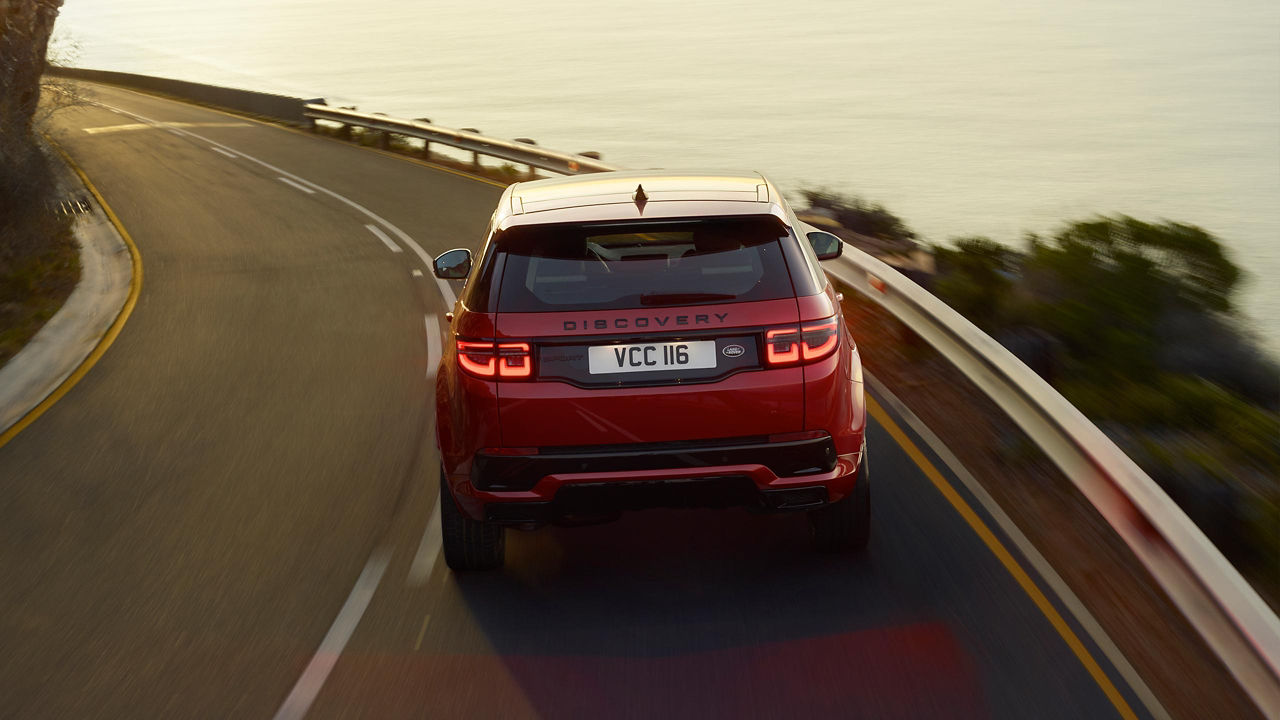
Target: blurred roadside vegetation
(1136, 324)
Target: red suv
(633, 340)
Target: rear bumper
(571, 482)
(506, 473)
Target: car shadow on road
(686, 613)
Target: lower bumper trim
(593, 499)
(795, 458)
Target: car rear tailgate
(565, 399)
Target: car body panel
(687, 318)
(539, 414)
(760, 403)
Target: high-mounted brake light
(487, 359)
(807, 343)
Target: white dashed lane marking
(383, 237)
(296, 186)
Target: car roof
(638, 195)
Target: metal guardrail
(1227, 612)
(522, 152)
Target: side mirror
(826, 245)
(453, 265)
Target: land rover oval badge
(732, 351)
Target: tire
(845, 526)
(468, 544)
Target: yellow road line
(135, 287)
(1004, 556)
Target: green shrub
(975, 279)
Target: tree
(25, 180)
(25, 27)
(1105, 285)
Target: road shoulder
(68, 345)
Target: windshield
(615, 267)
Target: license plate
(651, 357)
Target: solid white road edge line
(383, 237)
(445, 290)
(308, 686)
(1050, 576)
(220, 151)
(424, 561)
(294, 185)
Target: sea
(963, 117)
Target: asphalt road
(248, 473)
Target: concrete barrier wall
(276, 107)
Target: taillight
(487, 359)
(782, 346)
(818, 340)
(514, 360)
(477, 358)
(806, 343)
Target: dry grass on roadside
(33, 287)
(39, 258)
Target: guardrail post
(384, 140)
(528, 169)
(475, 154)
(310, 122)
(426, 144)
(344, 132)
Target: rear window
(638, 265)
